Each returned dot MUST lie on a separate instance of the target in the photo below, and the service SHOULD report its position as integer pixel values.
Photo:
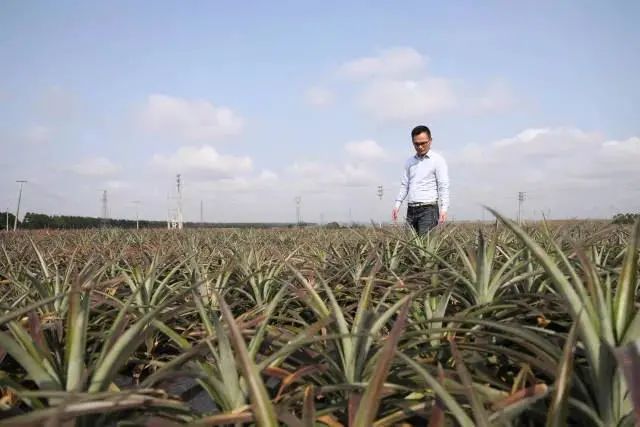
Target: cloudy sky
(255, 103)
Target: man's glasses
(421, 143)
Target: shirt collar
(426, 156)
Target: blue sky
(257, 102)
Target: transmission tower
(521, 197)
(174, 217)
(298, 201)
(104, 210)
(105, 205)
(179, 187)
(15, 220)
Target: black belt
(419, 204)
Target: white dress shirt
(425, 180)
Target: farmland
(472, 326)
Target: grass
(484, 325)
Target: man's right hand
(394, 214)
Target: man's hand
(443, 217)
(394, 214)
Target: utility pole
(298, 201)
(179, 187)
(521, 196)
(137, 203)
(6, 214)
(105, 208)
(15, 220)
(380, 193)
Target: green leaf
(577, 303)
(447, 399)
(263, 408)
(368, 406)
(76, 339)
(629, 362)
(35, 368)
(624, 304)
(480, 415)
(557, 415)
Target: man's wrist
(397, 205)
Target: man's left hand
(443, 218)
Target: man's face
(422, 143)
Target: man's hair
(420, 129)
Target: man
(426, 183)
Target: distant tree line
(34, 221)
(625, 218)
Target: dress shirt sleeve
(442, 179)
(404, 186)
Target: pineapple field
(473, 325)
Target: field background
(476, 324)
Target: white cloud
(622, 150)
(567, 170)
(319, 96)
(265, 179)
(397, 61)
(203, 161)
(95, 166)
(117, 185)
(367, 149)
(37, 134)
(268, 176)
(58, 104)
(316, 176)
(408, 99)
(496, 97)
(189, 119)
(395, 85)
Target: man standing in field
(425, 180)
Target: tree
(3, 220)
(626, 218)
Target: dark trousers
(423, 218)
